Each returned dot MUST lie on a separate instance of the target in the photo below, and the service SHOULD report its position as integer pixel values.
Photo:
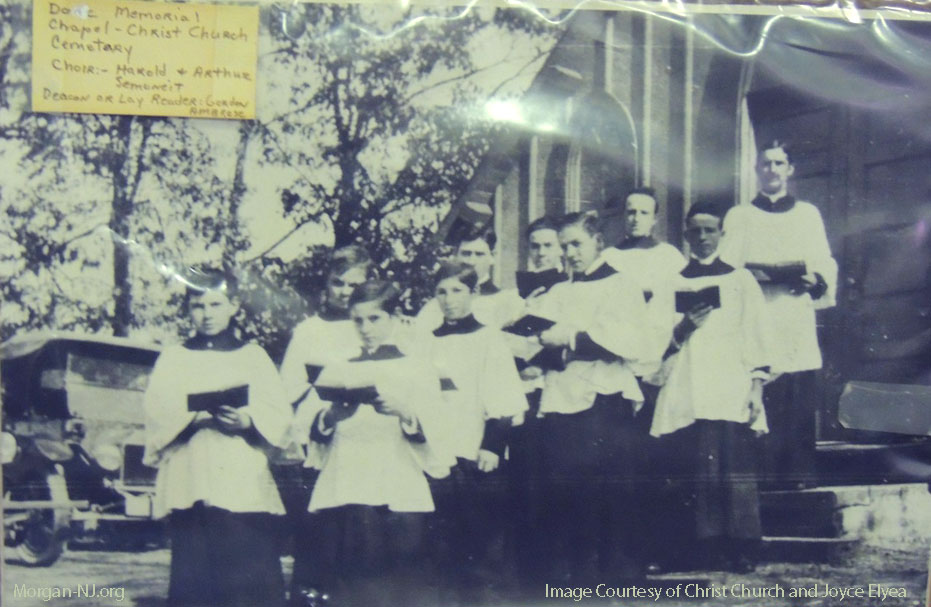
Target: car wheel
(42, 539)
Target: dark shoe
(742, 564)
(311, 597)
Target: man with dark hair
(653, 264)
(543, 244)
(588, 408)
(782, 240)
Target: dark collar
(460, 326)
(487, 288)
(331, 314)
(224, 341)
(382, 352)
(638, 242)
(696, 269)
(780, 205)
(603, 271)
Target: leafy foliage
(371, 124)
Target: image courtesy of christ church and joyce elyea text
(690, 590)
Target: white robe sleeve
(756, 329)
(731, 248)
(501, 389)
(820, 259)
(621, 324)
(268, 408)
(293, 371)
(165, 406)
(415, 383)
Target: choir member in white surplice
(326, 337)
(214, 408)
(544, 270)
(711, 397)
(655, 266)
(493, 307)
(588, 409)
(372, 499)
(652, 263)
(483, 398)
(778, 231)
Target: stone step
(807, 549)
(806, 513)
(879, 514)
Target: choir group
(585, 427)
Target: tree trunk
(119, 229)
(234, 240)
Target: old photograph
(486, 305)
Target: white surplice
(610, 309)
(483, 384)
(754, 235)
(711, 375)
(369, 460)
(220, 469)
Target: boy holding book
(214, 408)
(376, 427)
(711, 397)
(588, 408)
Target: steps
(825, 524)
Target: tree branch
(286, 236)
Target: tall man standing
(782, 240)
(655, 265)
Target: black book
(686, 300)
(529, 325)
(549, 359)
(313, 372)
(528, 282)
(211, 401)
(778, 273)
(352, 396)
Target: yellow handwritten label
(147, 58)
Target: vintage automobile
(72, 442)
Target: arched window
(602, 160)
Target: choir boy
(783, 241)
(493, 307)
(588, 409)
(376, 427)
(640, 253)
(653, 264)
(545, 270)
(711, 399)
(214, 407)
(482, 397)
(326, 337)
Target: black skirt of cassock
(222, 558)
(368, 556)
(726, 469)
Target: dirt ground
(141, 578)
